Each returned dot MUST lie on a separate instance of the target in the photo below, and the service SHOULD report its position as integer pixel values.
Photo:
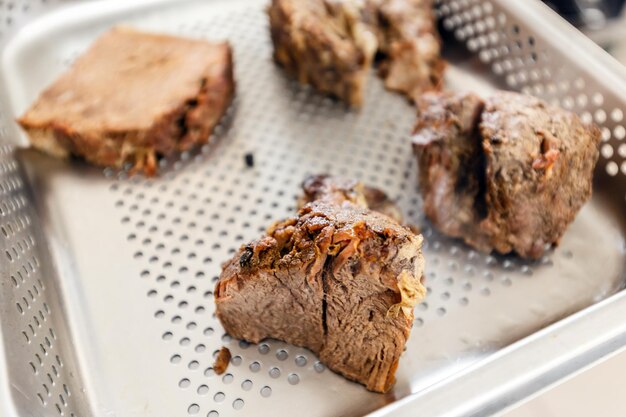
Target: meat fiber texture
(508, 173)
(331, 44)
(132, 97)
(338, 279)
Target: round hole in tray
(319, 367)
(274, 372)
(612, 168)
(300, 360)
(246, 385)
(293, 379)
(266, 392)
(255, 366)
(282, 354)
(238, 404)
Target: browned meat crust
(323, 43)
(331, 44)
(338, 279)
(447, 146)
(133, 96)
(410, 45)
(506, 174)
(337, 190)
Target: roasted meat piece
(338, 278)
(507, 174)
(409, 44)
(133, 96)
(323, 43)
(331, 44)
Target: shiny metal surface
(128, 264)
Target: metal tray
(106, 304)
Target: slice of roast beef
(338, 278)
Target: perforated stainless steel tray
(106, 304)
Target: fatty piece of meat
(131, 97)
(323, 187)
(338, 279)
(508, 174)
(409, 44)
(323, 43)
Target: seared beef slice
(338, 279)
(507, 175)
(133, 96)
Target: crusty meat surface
(449, 159)
(508, 174)
(133, 96)
(410, 45)
(327, 188)
(338, 278)
(323, 43)
(331, 44)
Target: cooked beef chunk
(133, 96)
(410, 45)
(338, 278)
(337, 190)
(331, 44)
(506, 174)
(323, 43)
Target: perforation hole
(266, 392)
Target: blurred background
(604, 21)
